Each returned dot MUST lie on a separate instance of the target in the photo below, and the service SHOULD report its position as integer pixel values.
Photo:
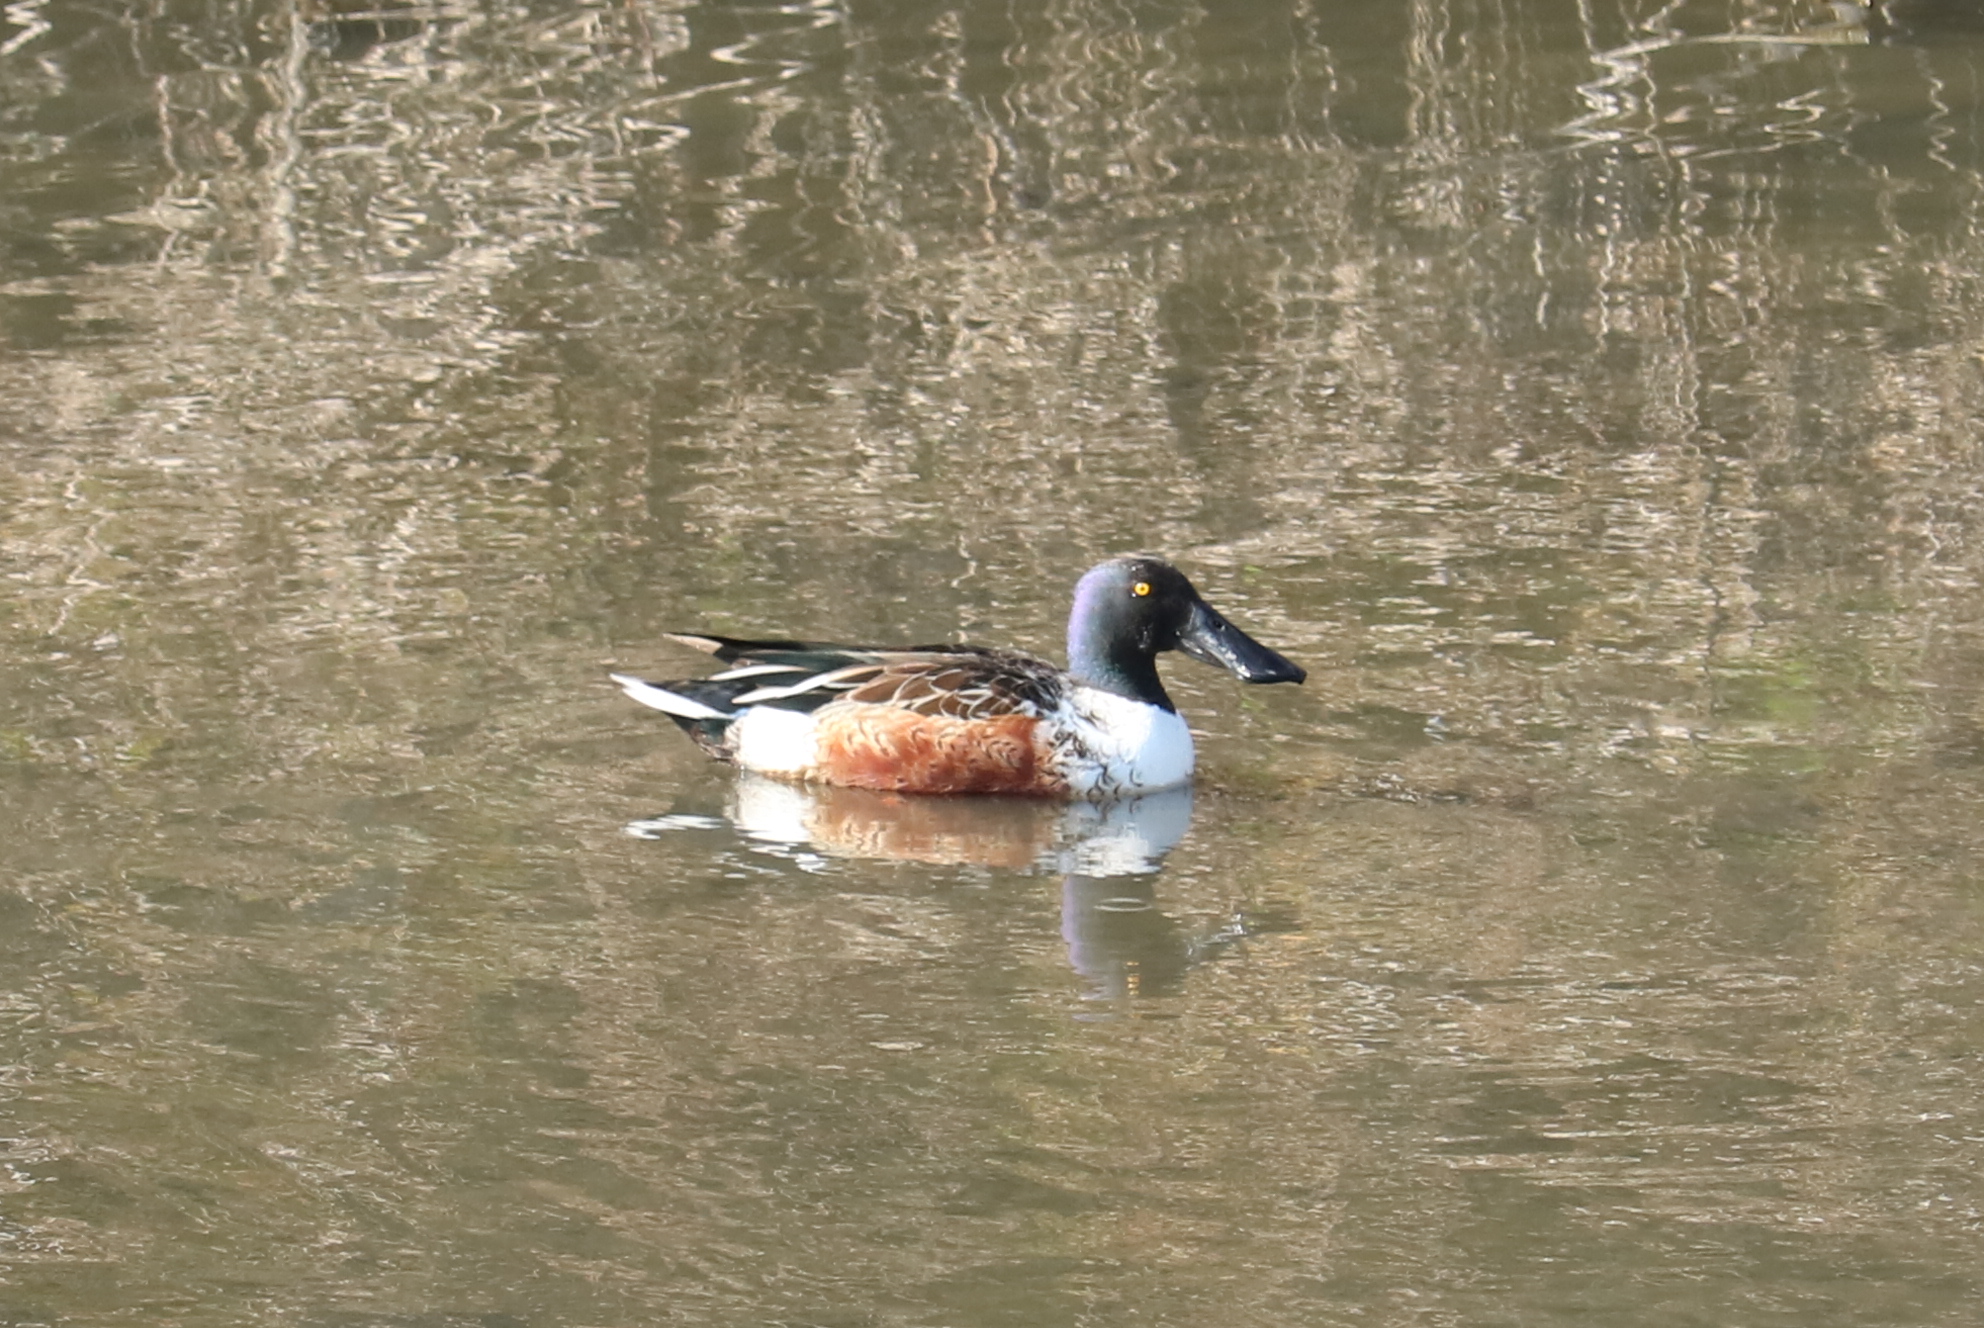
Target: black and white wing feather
(956, 681)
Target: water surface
(1586, 395)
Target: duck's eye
(1140, 589)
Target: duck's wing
(964, 683)
(958, 682)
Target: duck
(967, 719)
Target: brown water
(1588, 394)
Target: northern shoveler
(966, 719)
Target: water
(1586, 396)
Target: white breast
(1116, 745)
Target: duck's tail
(701, 706)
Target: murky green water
(1589, 395)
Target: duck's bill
(1209, 637)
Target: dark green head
(1129, 610)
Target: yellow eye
(1140, 589)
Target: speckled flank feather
(890, 747)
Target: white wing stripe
(833, 678)
(667, 702)
(754, 671)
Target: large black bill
(1211, 638)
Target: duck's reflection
(1108, 854)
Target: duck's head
(1129, 610)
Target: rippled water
(1587, 395)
